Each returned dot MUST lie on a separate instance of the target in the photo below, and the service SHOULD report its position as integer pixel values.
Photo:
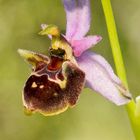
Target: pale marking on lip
(34, 85)
(55, 94)
(41, 86)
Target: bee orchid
(57, 80)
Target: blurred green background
(94, 118)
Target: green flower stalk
(132, 108)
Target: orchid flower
(57, 81)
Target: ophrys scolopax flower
(56, 81)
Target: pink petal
(78, 18)
(101, 78)
(79, 46)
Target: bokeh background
(94, 118)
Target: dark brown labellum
(53, 87)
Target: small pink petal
(79, 46)
(78, 18)
(101, 78)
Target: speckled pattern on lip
(47, 97)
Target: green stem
(117, 55)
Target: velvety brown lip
(46, 96)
